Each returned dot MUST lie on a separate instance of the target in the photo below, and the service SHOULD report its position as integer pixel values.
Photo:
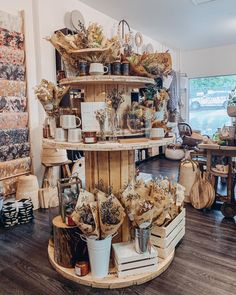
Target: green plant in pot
(231, 107)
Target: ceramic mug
(74, 135)
(157, 133)
(97, 69)
(60, 134)
(69, 121)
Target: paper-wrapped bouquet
(99, 215)
(155, 203)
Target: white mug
(74, 135)
(157, 133)
(60, 134)
(69, 121)
(97, 69)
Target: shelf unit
(113, 163)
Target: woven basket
(187, 176)
(174, 153)
(231, 110)
(53, 156)
(27, 188)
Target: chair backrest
(184, 130)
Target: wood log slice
(68, 246)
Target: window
(208, 102)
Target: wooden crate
(129, 262)
(166, 238)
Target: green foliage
(213, 83)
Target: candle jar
(83, 67)
(125, 68)
(81, 268)
(90, 137)
(116, 68)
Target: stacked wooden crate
(166, 238)
(129, 262)
(14, 132)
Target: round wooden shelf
(108, 146)
(107, 79)
(111, 281)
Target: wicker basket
(231, 110)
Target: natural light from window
(208, 102)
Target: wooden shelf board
(107, 79)
(111, 281)
(108, 146)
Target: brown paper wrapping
(146, 217)
(111, 214)
(86, 218)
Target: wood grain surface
(204, 263)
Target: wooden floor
(204, 264)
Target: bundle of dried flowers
(115, 99)
(50, 96)
(101, 116)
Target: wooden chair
(48, 173)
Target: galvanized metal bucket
(142, 239)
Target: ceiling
(177, 23)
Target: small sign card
(89, 121)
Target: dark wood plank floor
(204, 264)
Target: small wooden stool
(48, 173)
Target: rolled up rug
(12, 88)
(14, 167)
(12, 104)
(10, 21)
(14, 151)
(13, 120)
(14, 136)
(12, 72)
(9, 186)
(10, 55)
(11, 39)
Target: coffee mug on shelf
(69, 121)
(74, 135)
(60, 134)
(97, 69)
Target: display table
(229, 152)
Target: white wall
(51, 18)
(209, 62)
